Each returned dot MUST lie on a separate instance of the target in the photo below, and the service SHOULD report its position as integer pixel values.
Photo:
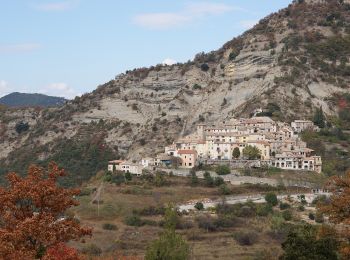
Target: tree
(194, 179)
(336, 209)
(308, 242)
(319, 118)
(128, 176)
(251, 152)
(21, 127)
(199, 206)
(271, 199)
(219, 181)
(208, 179)
(61, 251)
(223, 169)
(236, 153)
(169, 245)
(32, 214)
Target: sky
(69, 47)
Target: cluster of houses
(278, 143)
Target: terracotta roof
(186, 152)
(116, 162)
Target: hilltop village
(253, 142)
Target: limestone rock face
(280, 63)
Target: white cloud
(4, 88)
(60, 90)
(191, 12)
(169, 61)
(160, 21)
(16, 48)
(57, 6)
(247, 24)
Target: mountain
(17, 99)
(290, 64)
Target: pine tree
(319, 118)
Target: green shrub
(271, 198)
(223, 169)
(134, 220)
(218, 181)
(284, 206)
(264, 210)
(199, 206)
(287, 215)
(311, 216)
(224, 189)
(208, 179)
(246, 238)
(109, 226)
(204, 67)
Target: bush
(311, 216)
(21, 127)
(247, 212)
(85, 192)
(287, 215)
(134, 220)
(271, 198)
(319, 217)
(204, 67)
(128, 176)
(199, 206)
(284, 206)
(196, 86)
(245, 238)
(226, 221)
(207, 223)
(264, 210)
(224, 190)
(218, 181)
(150, 211)
(92, 250)
(109, 226)
(223, 170)
(208, 179)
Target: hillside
(290, 64)
(17, 99)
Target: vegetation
(199, 206)
(319, 118)
(335, 209)
(36, 205)
(21, 127)
(305, 242)
(271, 199)
(251, 152)
(169, 245)
(236, 153)
(223, 169)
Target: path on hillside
(258, 198)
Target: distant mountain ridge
(17, 99)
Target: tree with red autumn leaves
(61, 251)
(32, 217)
(338, 210)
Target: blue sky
(69, 47)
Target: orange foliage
(61, 251)
(32, 210)
(338, 210)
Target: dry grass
(119, 202)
